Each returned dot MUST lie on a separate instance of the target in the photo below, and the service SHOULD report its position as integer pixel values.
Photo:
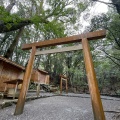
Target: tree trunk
(117, 5)
(8, 9)
(10, 50)
(20, 24)
(10, 6)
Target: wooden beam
(60, 85)
(67, 86)
(15, 91)
(76, 38)
(64, 79)
(92, 82)
(59, 50)
(25, 85)
(38, 90)
(62, 76)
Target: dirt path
(71, 107)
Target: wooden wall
(7, 72)
(40, 76)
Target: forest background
(27, 21)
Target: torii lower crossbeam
(92, 82)
(59, 50)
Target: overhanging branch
(15, 26)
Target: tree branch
(116, 4)
(114, 37)
(13, 26)
(102, 2)
(16, 26)
(10, 50)
(109, 4)
(111, 58)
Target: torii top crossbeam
(71, 39)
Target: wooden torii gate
(63, 78)
(92, 82)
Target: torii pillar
(25, 85)
(92, 82)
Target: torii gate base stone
(92, 82)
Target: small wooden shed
(11, 71)
(40, 76)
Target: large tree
(35, 12)
(38, 15)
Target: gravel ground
(70, 107)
